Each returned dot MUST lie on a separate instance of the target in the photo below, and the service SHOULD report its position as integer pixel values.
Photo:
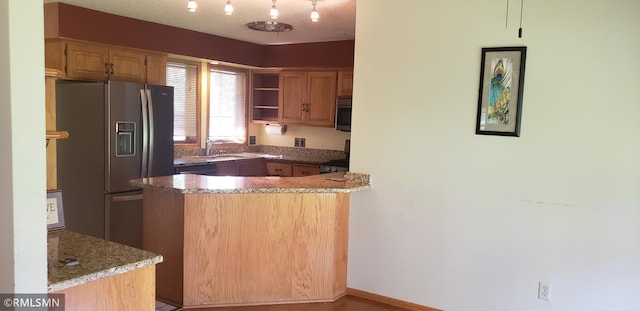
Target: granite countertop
(323, 183)
(97, 259)
(201, 159)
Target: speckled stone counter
(323, 183)
(97, 259)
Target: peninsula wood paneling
(162, 233)
(244, 249)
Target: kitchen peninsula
(249, 240)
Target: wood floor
(347, 303)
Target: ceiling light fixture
(274, 11)
(315, 16)
(228, 8)
(270, 26)
(192, 6)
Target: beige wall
(23, 250)
(315, 137)
(463, 222)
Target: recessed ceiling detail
(336, 17)
(269, 26)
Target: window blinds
(227, 106)
(184, 79)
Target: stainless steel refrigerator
(118, 131)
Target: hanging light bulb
(192, 6)
(274, 11)
(228, 8)
(314, 13)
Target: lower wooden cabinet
(305, 170)
(292, 170)
(279, 169)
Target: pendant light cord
(506, 17)
(521, 10)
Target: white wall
(23, 249)
(460, 221)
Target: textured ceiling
(337, 17)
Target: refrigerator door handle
(145, 134)
(127, 198)
(151, 131)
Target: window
(184, 79)
(227, 106)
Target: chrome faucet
(214, 142)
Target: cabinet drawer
(279, 169)
(305, 170)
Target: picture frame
(55, 210)
(500, 92)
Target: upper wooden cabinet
(307, 97)
(156, 69)
(345, 83)
(91, 61)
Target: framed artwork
(55, 210)
(500, 94)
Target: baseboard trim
(389, 301)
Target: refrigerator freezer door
(123, 215)
(81, 159)
(124, 135)
(160, 101)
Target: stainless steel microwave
(343, 114)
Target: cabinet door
(292, 97)
(305, 170)
(127, 65)
(345, 83)
(321, 101)
(279, 169)
(156, 69)
(87, 61)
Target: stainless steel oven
(343, 114)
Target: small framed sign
(55, 211)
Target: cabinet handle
(112, 71)
(106, 68)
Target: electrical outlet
(296, 142)
(252, 140)
(302, 142)
(544, 291)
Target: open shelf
(265, 97)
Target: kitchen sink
(224, 157)
(213, 158)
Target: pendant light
(228, 8)
(192, 6)
(314, 13)
(274, 11)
